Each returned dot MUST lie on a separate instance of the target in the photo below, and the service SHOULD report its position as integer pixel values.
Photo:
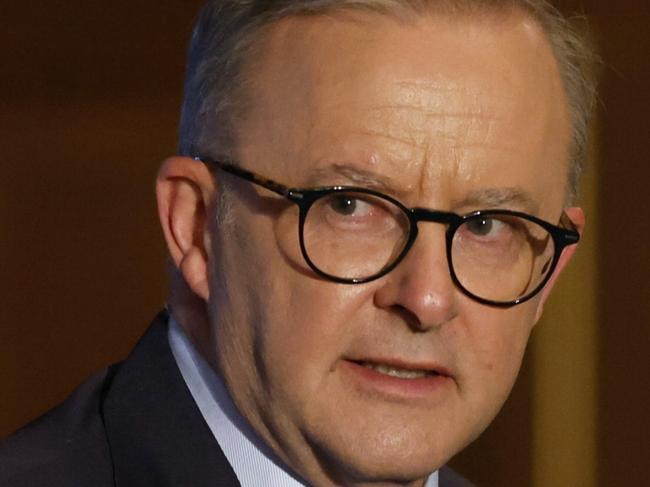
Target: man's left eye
(485, 226)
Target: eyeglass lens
(356, 236)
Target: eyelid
(360, 195)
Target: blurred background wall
(89, 98)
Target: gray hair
(224, 38)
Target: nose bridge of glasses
(426, 242)
(434, 216)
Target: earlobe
(184, 191)
(577, 217)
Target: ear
(577, 216)
(184, 191)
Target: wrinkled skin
(451, 114)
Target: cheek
(285, 325)
(296, 346)
(495, 341)
(304, 336)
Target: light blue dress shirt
(253, 462)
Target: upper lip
(399, 363)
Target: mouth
(400, 368)
(396, 379)
(399, 372)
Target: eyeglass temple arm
(571, 235)
(232, 168)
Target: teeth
(396, 372)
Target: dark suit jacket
(133, 424)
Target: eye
(356, 212)
(483, 227)
(350, 206)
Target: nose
(421, 287)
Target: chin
(395, 458)
(386, 468)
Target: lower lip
(406, 389)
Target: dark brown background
(89, 97)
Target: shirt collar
(253, 462)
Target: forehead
(437, 103)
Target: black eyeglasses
(355, 235)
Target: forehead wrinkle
(479, 114)
(416, 90)
(424, 142)
(454, 144)
(388, 136)
(473, 115)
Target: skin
(441, 113)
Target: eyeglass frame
(563, 236)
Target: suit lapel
(156, 433)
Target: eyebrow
(494, 198)
(356, 176)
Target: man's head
(455, 110)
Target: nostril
(415, 323)
(409, 317)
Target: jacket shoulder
(65, 447)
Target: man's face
(442, 113)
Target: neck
(191, 313)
